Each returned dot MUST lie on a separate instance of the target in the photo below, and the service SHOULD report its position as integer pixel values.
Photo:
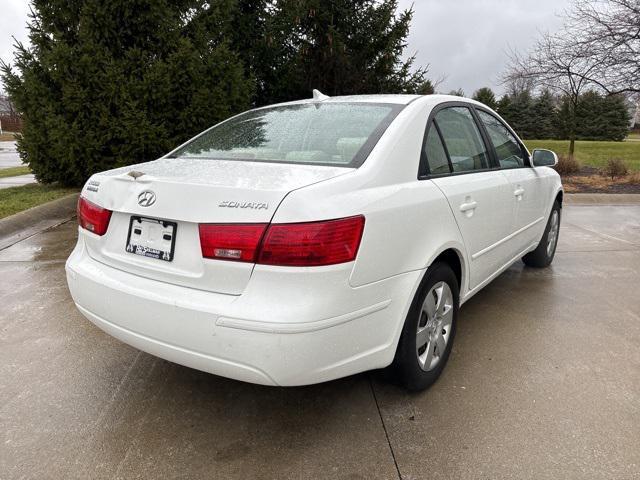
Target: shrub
(633, 178)
(567, 165)
(615, 167)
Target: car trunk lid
(181, 194)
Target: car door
(527, 197)
(457, 160)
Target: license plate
(151, 237)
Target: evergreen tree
(593, 117)
(485, 95)
(503, 106)
(516, 109)
(615, 118)
(589, 124)
(597, 117)
(106, 84)
(341, 47)
(543, 112)
(562, 119)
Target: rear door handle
(518, 192)
(467, 206)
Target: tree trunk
(572, 146)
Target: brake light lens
(239, 242)
(93, 217)
(313, 243)
(308, 244)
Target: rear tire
(543, 255)
(429, 330)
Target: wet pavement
(543, 382)
(9, 155)
(9, 158)
(17, 181)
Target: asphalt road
(543, 383)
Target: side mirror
(544, 158)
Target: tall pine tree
(485, 95)
(516, 109)
(616, 119)
(542, 112)
(340, 47)
(106, 84)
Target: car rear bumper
(289, 327)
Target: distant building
(6, 107)
(9, 117)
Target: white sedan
(311, 240)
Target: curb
(37, 219)
(602, 198)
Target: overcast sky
(464, 41)
(12, 23)
(467, 41)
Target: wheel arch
(452, 258)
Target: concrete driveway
(543, 383)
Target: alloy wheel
(552, 236)
(434, 326)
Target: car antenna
(318, 95)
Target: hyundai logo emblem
(146, 198)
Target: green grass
(16, 199)
(14, 171)
(594, 154)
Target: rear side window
(508, 149)
(461, 136)
(436, 155)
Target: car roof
(398, 99)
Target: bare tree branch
(607, 32)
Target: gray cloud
(467, 41)
(13, 22)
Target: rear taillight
(231, 241)
(92, 217)
(312, 244)
(288, 244)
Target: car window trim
(523, 149)
(424, 172)
(491, 151)
(444, 148)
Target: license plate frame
(144, 246)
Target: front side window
(462, 138)
(507, 147)
(340, 134)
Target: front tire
(429, 330)
(543, 255)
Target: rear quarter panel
(408, 222)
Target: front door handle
(468, 206)
(518, 192)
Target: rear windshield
(340, 134)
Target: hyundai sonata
(306, 241)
